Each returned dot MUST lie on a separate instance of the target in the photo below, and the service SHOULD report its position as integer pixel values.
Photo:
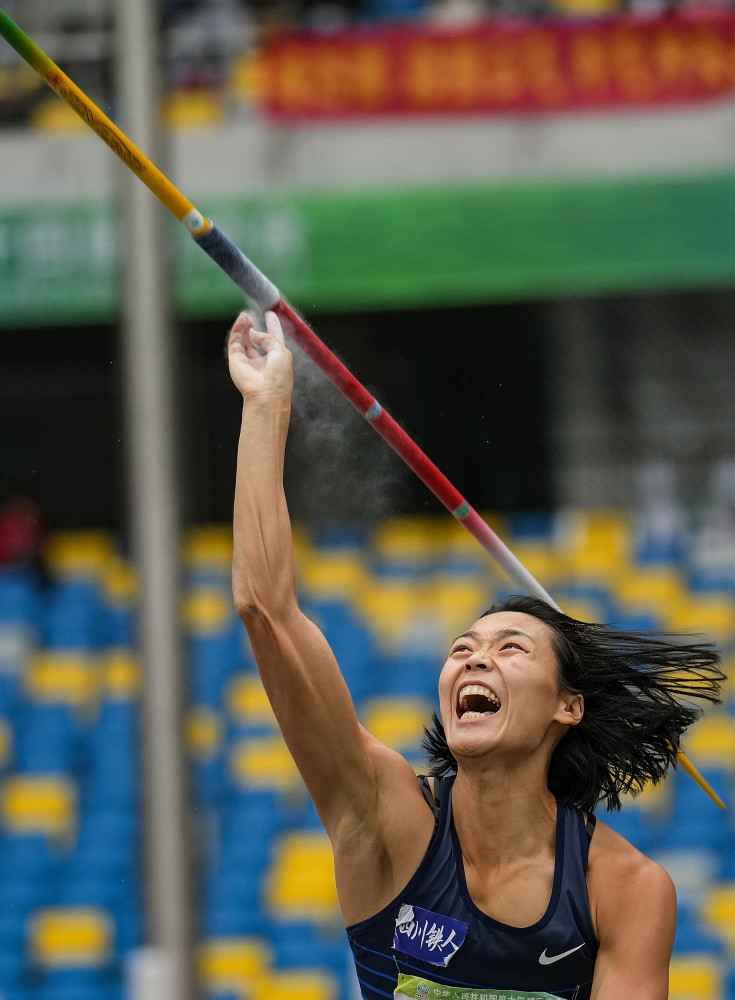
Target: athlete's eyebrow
(504, 633)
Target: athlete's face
(500, 688)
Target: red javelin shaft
(409, 451)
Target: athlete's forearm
(263, 574)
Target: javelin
(265, 296)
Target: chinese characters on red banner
(495, 67)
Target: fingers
(272, 337)
(273, 326)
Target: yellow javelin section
(105, 128)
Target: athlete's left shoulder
(623, 882)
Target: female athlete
(490, 878)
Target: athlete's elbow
(256, 605)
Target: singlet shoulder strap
(433, 798)
(590, 825)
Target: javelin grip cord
(234, 263)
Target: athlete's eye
(513, 645)
(460, 648)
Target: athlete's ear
(572, 708)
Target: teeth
(476, 689)
(473, 715)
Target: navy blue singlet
(435, 912)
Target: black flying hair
(637, 692)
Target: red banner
(500, 66)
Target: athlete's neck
(502, 814)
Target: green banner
(391, 249)
(416, 988)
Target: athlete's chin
(473, 745)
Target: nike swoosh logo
(545, 959)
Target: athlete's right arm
(351, 776)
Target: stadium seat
(718, 912)
(120, 675)
(263, 762)
(304, 984)
(71, 938)
(597, 544)
(249, 710)
(47, 740)
(237, 964)
(39, 804)
(207, 554)
(208, 610)
(695, 977)
(332, 574)
(20, 598)
(203, 733)
(300, 882)
(390, 607)
(711, 741)
(398, 722)
(70, 677)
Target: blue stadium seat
(47, 739)
(232, 922)
(12, 967)
(694, 938)
(32, 854)
(298, 944)
(407, 674)
(532, 524)
(75, 617)
(633, 824)
(21, 601)
(213, 659)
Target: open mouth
(477, 702)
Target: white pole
(149, 374)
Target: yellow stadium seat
(651, 590)
(80, 554)
(718, 912)
(39, 804)
(209, 548)
(337, 574)
(297, 984)
(391, 607)
(193, 111)
(59, 676)
(208, 610)
(398, 722)
(713, 617)
(458, 601)
(711, 741)
(459, 543)
(120, 581)
(71, 936)
(408, 539)
(541, 560)
(203, 733)
(264, 763)
(121, 675)
(695, 977)
(597, 543)
(247, 702)
(236, 965)
(301, 880)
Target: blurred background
(512, 221)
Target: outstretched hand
(260, 363)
